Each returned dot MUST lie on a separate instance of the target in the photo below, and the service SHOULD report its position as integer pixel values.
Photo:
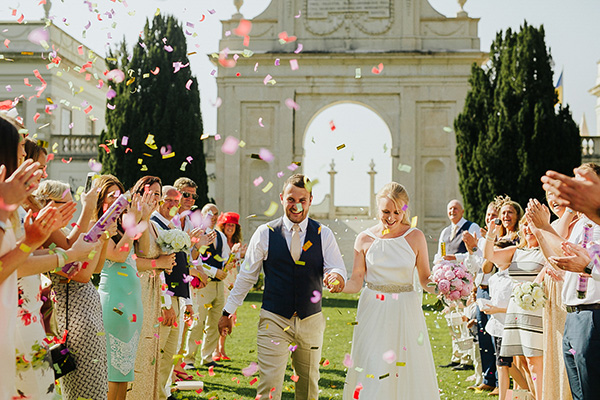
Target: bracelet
(61, 260)
(488, 238)
(569, 210)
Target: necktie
(453, 234)
(296, 247)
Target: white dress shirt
(166, 300)
(569, 292)
(258, 251)
(460, 257)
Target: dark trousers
(486, 345)
(581, 350)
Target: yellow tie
(296, 247)
(453, 234)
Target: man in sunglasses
(187, 188)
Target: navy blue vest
(212, 251)
(174, 280)
(457, 245)
(289, 286)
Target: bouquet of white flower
(173, 241)
(529, 296)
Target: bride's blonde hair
(397, 193)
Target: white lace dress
(122, 312)
(391, 354)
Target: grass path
(340, 311)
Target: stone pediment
(356, 26)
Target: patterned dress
(85, 339)
(35, 375)
(122, 311)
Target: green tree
(510, 130)
(158, 96)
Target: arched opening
(350, 134)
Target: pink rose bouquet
(452, 281)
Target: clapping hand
(15, 189)
(82, 249)
(65, 212)
(537, 215)
(334, 282)
(581, 193)
(576, 258)
(166, 262)
(470, 240)
(38, 231)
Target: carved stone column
(332, 173)
(372, 204)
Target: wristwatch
(474, 249)
(588, 269)
(226, 314)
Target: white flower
(526, 286)
(538, 293)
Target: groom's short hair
(298, 180)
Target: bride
(391, 354)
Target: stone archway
(399, 57)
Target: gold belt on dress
(390, 288)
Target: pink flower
(465, 291)
(460, 273)
(449, 275)
(444, 286)
(457, 284)
(454, 295)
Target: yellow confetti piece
(371, 376)
(183, 165)
(267, 327)
(357, 73)
(286, 328)
(319, 230)
(341, 146)
(404, 168)
(413, 221)
(300, 262)
(55, 148)
(208, 306)
(122, 274)
(385, 232)
(92, 254)
(401, 364)
(268, 226)
(24, 248)
(140, 161)
(144, 168)
(146, 75)
(242, 143)
(219, 258)
(157, 12)
(130, 81)
(273, 207)
(100, 334)
(306, 245)
(168, 155)
(150, 142)
(267, 187)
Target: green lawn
(340, 311)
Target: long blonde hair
(398, 194)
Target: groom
(295, 253)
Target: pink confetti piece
(292, 167)
(258, 181)
(292, 348)
(80, 50)
(217, 137)
(389, 356)
(572, 351)
(243, 28)
(255, 67)
(94, 165)
(332, 126)
(299, 14)
(316, 296)
(291, 104)
(283, 36)
(280, 174)
(189, 159)
(266, 155)
(299, 49)
(111, 93)
(348, 363)
(111, 106)
(250, 369)
(405, 207)
(260, 122)
(230, 145)
(267, 79)
(88, 25)
(277, 63)
(8, 88)
(217, 103)
(168, 48)
(189, 84)
(294, 64)
(166, 150)
(38, 36)
(115, 75)
(377, 70)
(211, 11)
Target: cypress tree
(510, 132)
(158, 97)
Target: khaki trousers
(275, 335)
(169, 339)
(208, 308)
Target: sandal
(183, 376)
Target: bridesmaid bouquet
(529, 296)
(173, 241)
(452, 281)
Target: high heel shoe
(217, 358)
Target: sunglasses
(188, 195)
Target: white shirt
(166, 300)
(474, 261)
(258, 251)
(460, 257)
(569, 292)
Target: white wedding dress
(391, 354)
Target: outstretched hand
(580, 194)
(15, 188)
(225, 325)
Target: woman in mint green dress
(120, 289)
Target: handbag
(63, 361)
